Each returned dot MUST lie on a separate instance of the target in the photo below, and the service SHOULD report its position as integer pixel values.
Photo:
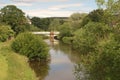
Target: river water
(62, 66)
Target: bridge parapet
(46, 33)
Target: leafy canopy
(12, 16)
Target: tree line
(14, 24)
(97, 38)
(95, 35)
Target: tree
(5, 32)
(42, 23)
(112, 9)
(36, 21)
(54, 25)
(109, 4)
(94, 16)
(76, 19)
(106, 65)
(86, 38)
(12, 16)
(65, 30)
(77, 16)
(31, 46)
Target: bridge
(55, 33)
(52, 35)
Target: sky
(51, 8)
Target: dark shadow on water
(41, 68)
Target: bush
(67, 40)
(107, 65)
(31, 46)
(65, 31)
(86, 38)
(25, 28)
(84, 41)
(5, 32)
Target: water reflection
(73, 55)
(80, 72)
(63, 65)
(66, 64)
(41, 68)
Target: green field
(14, 66)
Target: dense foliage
(86, 39)
(31, 46)
(95, 35)
(97, 38)
(25, 28)
(65, 31)
(106, 65)
(5, 32)
(42, 23)
(47, 23)
(13, 16)
(94, 16)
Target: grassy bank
(13, 66)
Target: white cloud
(56, 11)
(31, 1)
(64, 6)
(50, 13)
(22, 4)
(17, 4)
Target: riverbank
(14, 66)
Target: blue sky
(52, 8)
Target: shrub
(84, 41)
(86, 38)
(31, 46)
(5, 32)
(67, 40)
(25, 28)
(106, 66)
(65, 31)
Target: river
(62, 66)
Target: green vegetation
(97, 37)
(41, 23)
(3, 68)
(87, 38)
(31, 46)
(13, 66)
(5, 32)
(13, 16)
(54, 25)
(65, 31)
(94, 16)
(107, 62)
(48, 24)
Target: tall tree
(42, 23)
(112, 5)
(76, 19)
(94, 16)
(13, 16)
(112, 8)
(77, 16)
(54, 25)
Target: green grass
(3, 67)
(13, 66)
